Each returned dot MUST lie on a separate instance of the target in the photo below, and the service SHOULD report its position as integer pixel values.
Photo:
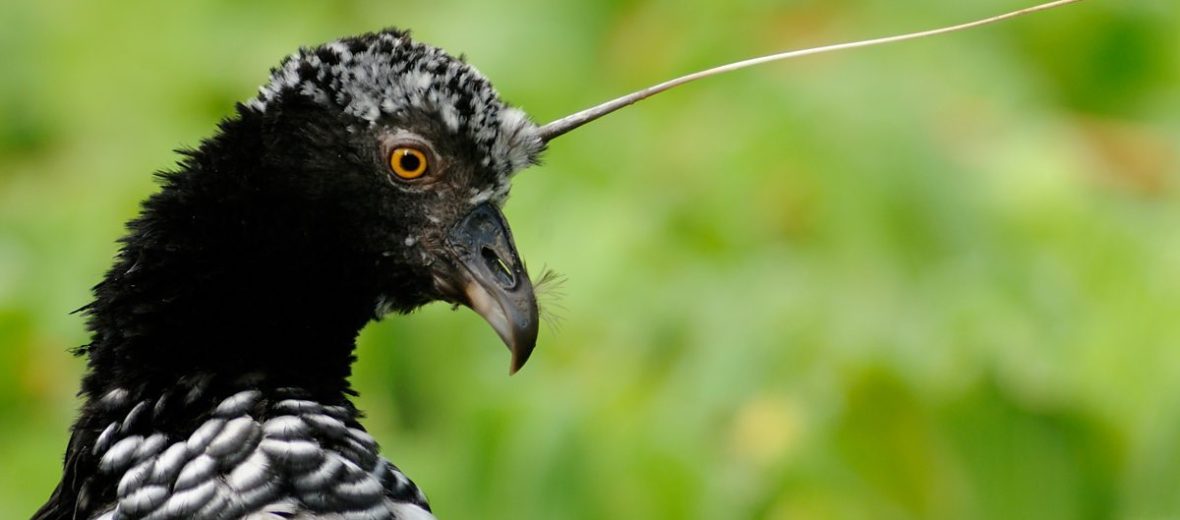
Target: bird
(366, 177)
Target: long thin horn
(572, 121)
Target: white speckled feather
(237, 466)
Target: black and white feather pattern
(257, 455)
(386, 73)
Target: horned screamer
(365, 178)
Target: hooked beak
(491, 279)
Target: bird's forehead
(386, 74)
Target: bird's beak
(492, 281)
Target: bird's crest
(388, 74)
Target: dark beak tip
(522, 348)
(517, 364)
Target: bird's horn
(561, 126)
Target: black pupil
(410, 162)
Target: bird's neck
(222, 276)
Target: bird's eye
(408, 163)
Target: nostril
(498, 268)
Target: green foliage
(935, 280)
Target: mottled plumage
(254, 452)
(387, 74)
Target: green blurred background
(935, 280)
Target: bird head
(421, 151)
(372, 170)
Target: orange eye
(408, 163)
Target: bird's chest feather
(258, 455)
